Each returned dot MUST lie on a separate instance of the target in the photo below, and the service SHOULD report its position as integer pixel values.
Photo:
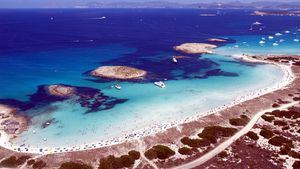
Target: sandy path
(232, 139)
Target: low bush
(280, 123)
(134, 154)
(195, 142)
(294, 154)
(223, 154)
(13, 161)
(187, 151)
(252, 135)
(280, 141)
(296, 165)
(284, 150)
(213, 133)
(159, 151)
(268, 118)
(266, 133)
(73, 165)
(275, 105)
(39, 164)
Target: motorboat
(278, 34)
(271, 37)
(296, 40)
(174, 60)
(118, 87)
(257, 23)
(160, 84)
(275, 44)
(287, 32)
(262, 42)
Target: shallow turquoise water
(147, 105)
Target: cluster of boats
(277, 42)
(259, 26)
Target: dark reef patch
(162, 67)
(90, 98)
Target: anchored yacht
(160, 84)
(174, 60)
(118, 87)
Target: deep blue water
(59, 46)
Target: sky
(70, 3)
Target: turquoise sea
(43, 47)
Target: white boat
(296, 40)
(257, 23)
(236, 46)
(278, 34)
(174, 60)
(103, 17)
(262, 42)
(160, 84)
(275, 44)
(287, 32)
(263, 38)
(271, 37)
(281, 40)
(118, 87)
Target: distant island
(211, 5)
(276, 13)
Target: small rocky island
(195, 48)
(276, 13)
(118, 72)
(61, 90)
(219, 40)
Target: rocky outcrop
(118, 72)
(216, 40)
(195, 48)
(61, 90)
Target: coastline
(160, 128)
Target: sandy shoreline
(159, 128)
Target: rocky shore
(118, 72)
(11, 123)
(195, 48)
